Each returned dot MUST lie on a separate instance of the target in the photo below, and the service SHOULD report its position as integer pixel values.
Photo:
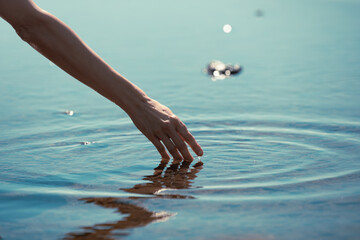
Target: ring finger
(171, 147)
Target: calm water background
(281, 140)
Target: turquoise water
(281, 140)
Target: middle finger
(181, 146)
(171, 147)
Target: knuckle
(175, 118)
(166, 125)
(183, 129)
(188, 137)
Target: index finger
(186, 135)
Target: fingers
(186, 135)
(174, 144)
(160, 148)
(163, 139)
(181, 146)
(173, 136)
(171, 148)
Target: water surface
(281, 140)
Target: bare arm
(56, 41)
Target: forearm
(56, 41)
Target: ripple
(246, 157)
(272, 159)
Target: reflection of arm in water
(176, 176)
(134, 216)
(56, 41)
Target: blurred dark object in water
(219, 70)
(259, 13)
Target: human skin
(60, 44)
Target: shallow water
(281, 140)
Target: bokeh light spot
(227, 28)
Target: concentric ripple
(272, 159)
(246, 157)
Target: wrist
(128, 96)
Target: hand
(60, 44)
(165, 130)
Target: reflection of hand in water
(176, 176)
